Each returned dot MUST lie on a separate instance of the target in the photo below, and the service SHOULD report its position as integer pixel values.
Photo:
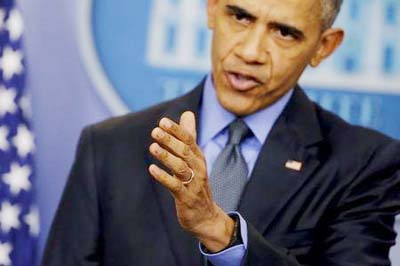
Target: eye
(242, 18)
(239, 15)
(287, 34)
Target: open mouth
(241, 82)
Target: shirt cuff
(232, 256)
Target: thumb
(188, 122)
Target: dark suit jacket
(338, 210)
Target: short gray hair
(330, 10)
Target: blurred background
(81, 61)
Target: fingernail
(166, 123)
(160, 133)
(153, 169)
(155, 148)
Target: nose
(252, 47)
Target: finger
(179, 167)
(188, 122)
(165, 179)
(174, 145)
(180, 133)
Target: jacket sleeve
(74, 237)
(360, 229)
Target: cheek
(295, 53)
(225, 39)
(289, 61)
(287, 65)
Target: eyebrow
(236, 10)
(291, 29)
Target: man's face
(261, 47)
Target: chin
(237, 102)
(238, 108)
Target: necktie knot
(238, 130)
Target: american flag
(19, 218)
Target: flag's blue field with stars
(19, 218)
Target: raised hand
(175, 146)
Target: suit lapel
(272, 184)
(184, 246)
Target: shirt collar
(214, 118)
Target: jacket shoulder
(132, 124)
(336, 129)
(356, 145)
(142, 121)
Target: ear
(211, 13)
(330, 41)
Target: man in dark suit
(316, 190)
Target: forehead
(298, 12)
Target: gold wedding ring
(190, 178)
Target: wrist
(217, 235)
(236, 238)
